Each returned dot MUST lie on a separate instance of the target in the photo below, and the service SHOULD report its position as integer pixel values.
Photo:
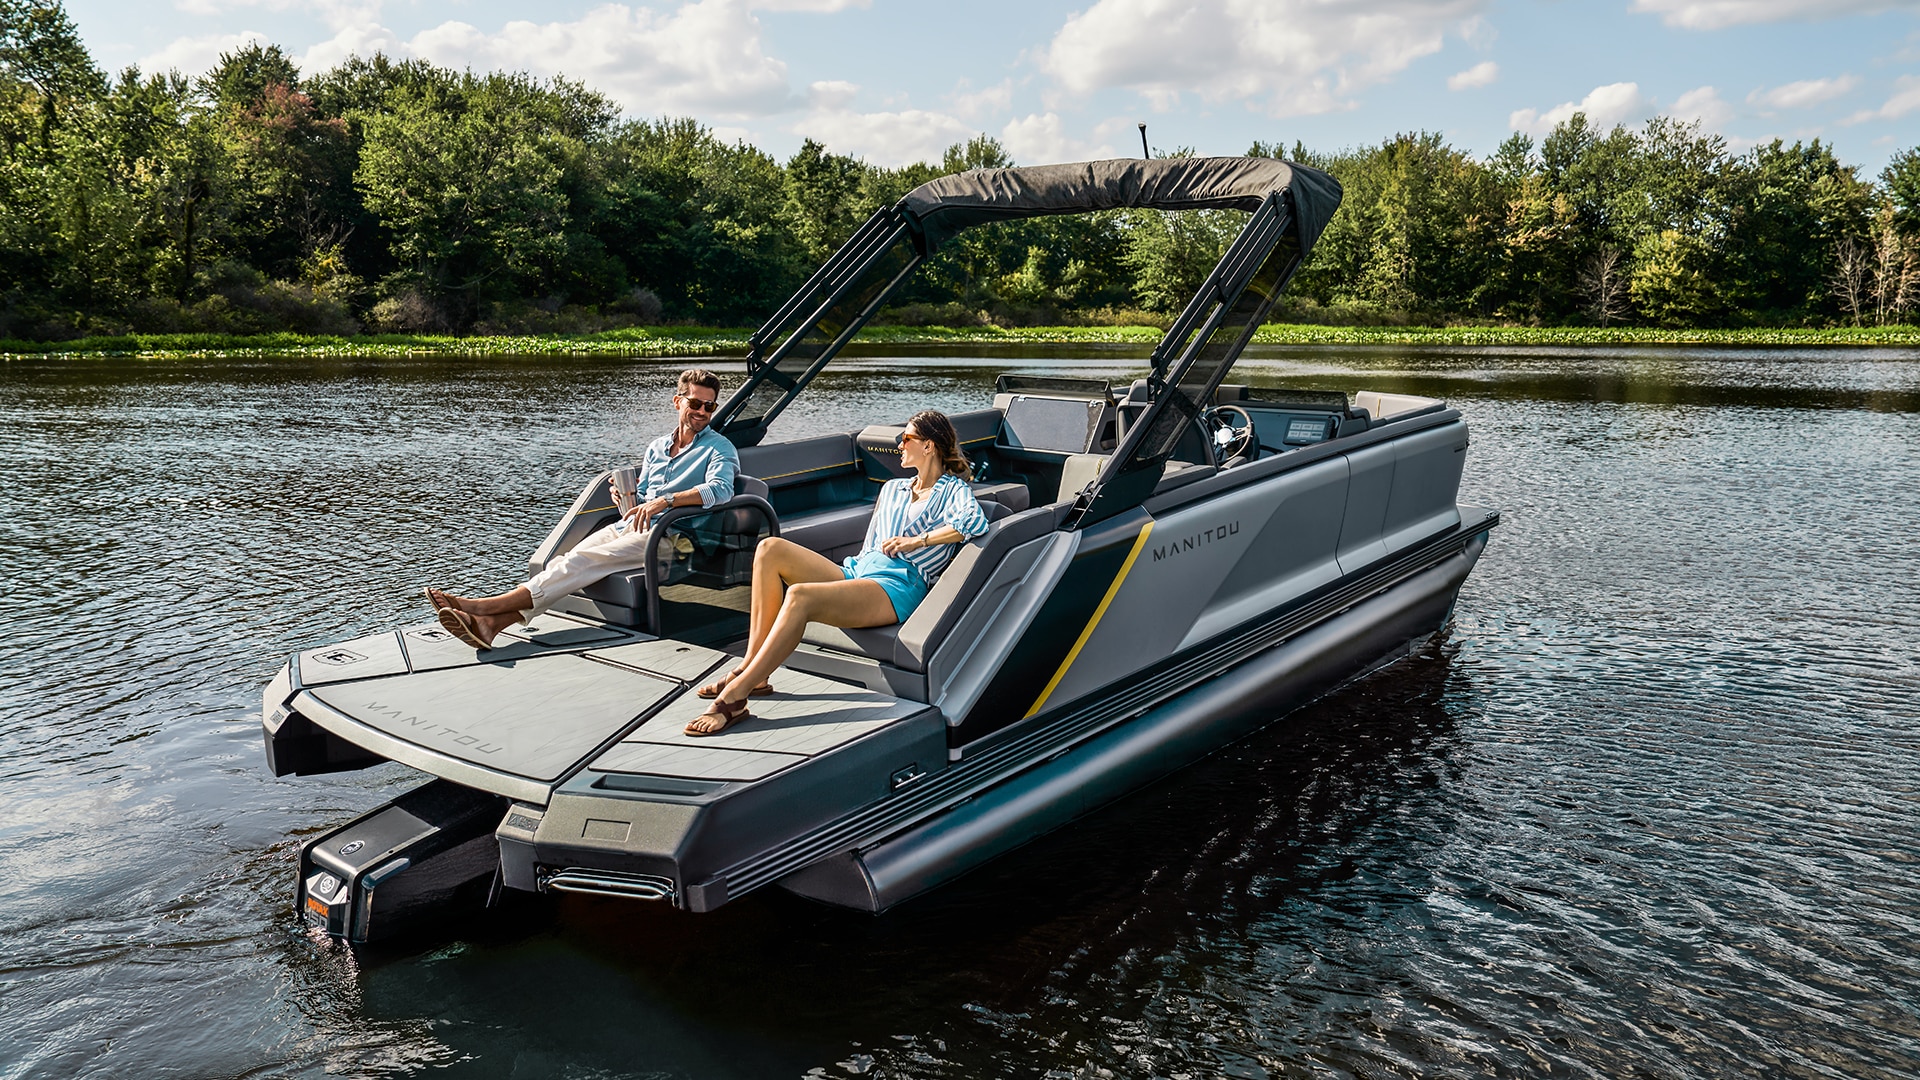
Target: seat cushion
(1011, 495)
(627, 588)
(874, 643)
(828, 530)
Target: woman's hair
(933, 426)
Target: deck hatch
(533, 718)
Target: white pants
(606, 551)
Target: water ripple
(1650, 809)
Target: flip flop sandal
(729, 715)
(436, 597)
(460, 625)
(719, 686)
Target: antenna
(1144, 152)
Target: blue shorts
(905, 587)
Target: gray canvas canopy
(942, 208)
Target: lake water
(1651, 809)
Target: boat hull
(1222, 710)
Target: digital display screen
(1306, 430)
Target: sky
(893, 81)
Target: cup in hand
(622, 482)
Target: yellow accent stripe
(1119, 579)
(803, 472)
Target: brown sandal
(460, 625)
(438, 598)
(719, 686)
(728, 715)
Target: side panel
(1226, 558)
(1170, 736)
(963, 640)
(1369, 487)
(1426, 481)
(1292, 555)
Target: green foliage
(401, 196)
(1171, 253)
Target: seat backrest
(1077, 472)
(1380, 406)
(924, 631)
(751, 485)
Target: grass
(705, 341)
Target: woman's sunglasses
(907, 437)
(700, 404)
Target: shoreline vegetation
(675, 341)
(387, 206)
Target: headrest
(750, 485)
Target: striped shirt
(951, 502)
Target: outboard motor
(420, 857)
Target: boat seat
(621, 597)
(827, 531)
(845, 527)
(908, 645)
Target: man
(691, 466)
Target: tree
(1896, 268)
(1670, 282)
(1788, 206)
(40, 47)
(1604, 284)
(1172, 252)
(823, 203)
(1901, 179)
(1851, 279)
(467, 178)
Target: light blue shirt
(708, 466)
(951, 502)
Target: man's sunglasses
(700, 404)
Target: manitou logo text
(1199, 539)
(428, 727)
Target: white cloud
(817, 6)
(1800, 95)
(1905, 99)
(1480, 74)
(705, 58)
(336, 14)
(1614, 103)
(832, 94)
(1042, 139)
(972, 104)
(885, 138)
(1719, 14)
(1286, 57)
(195, 55)
(363, 40)
(1703, 104)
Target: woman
(918, 524)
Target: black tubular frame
(1188, 365)
(1234, 300)
(829, 324)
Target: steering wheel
(1229, 432)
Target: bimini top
(942, 208)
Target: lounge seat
(910, 644)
